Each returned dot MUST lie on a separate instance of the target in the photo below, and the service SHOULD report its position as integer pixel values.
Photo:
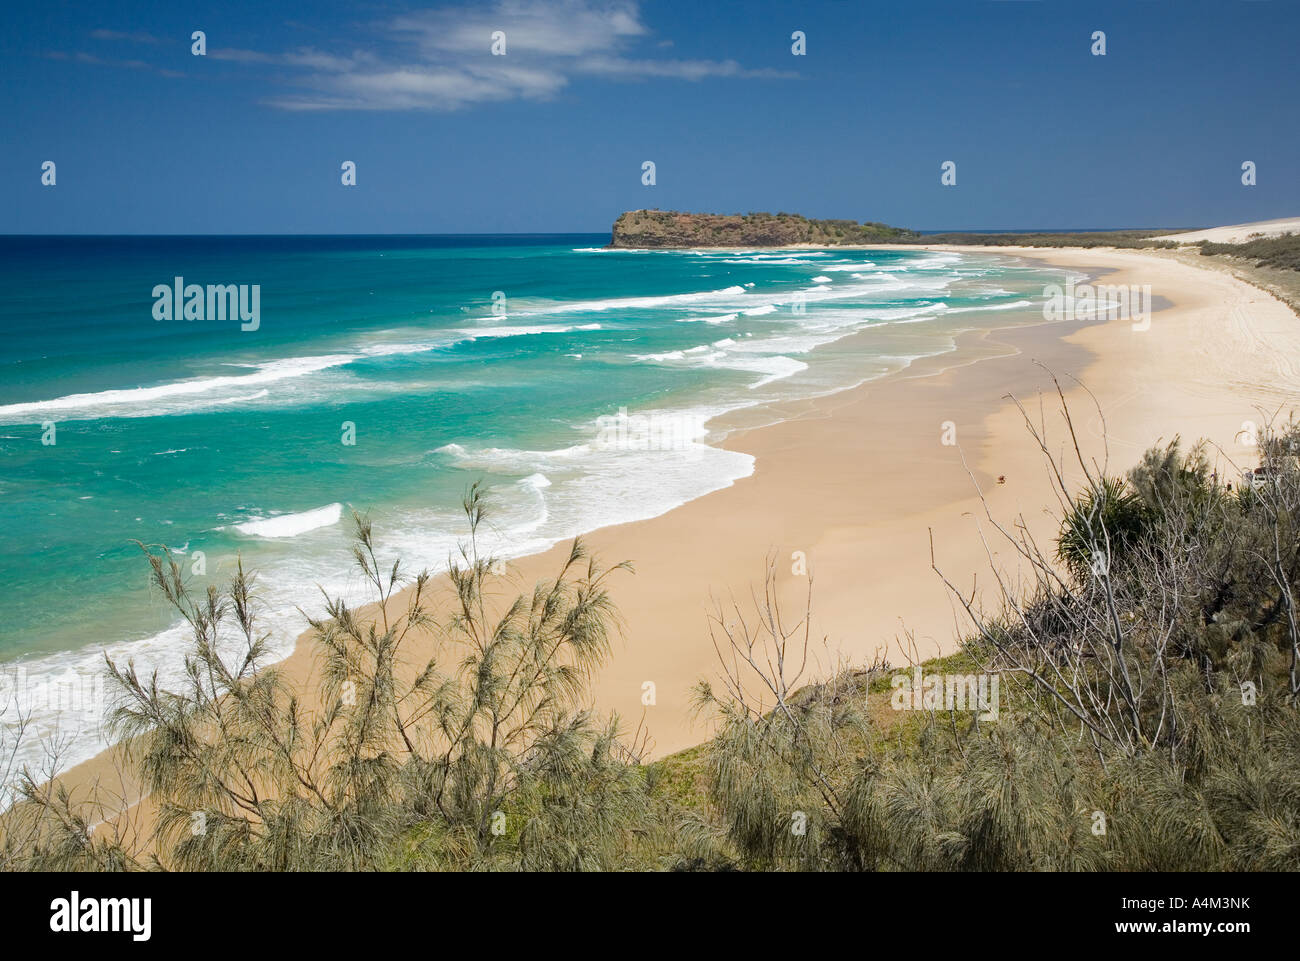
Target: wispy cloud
(128, 36)
(97, 61)
(561, 28)
(118, 38)
(679, 69)
(442, 59)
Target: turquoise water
(204, 437)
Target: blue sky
(148, 138)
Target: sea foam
(291, 525)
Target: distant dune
(1239, 233)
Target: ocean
(583, 386)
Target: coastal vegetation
(1282, 253)
(1136, 239)
(1143, 715)
(668, 228)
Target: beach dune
(1238, 233)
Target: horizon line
(582, 233)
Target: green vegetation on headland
(1144, 680)
(668, 228)
(673, 229)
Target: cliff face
(668, 228)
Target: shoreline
(856, 480)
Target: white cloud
(680, 69)
(442, 59)
(561, 28)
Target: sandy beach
(860, 481)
